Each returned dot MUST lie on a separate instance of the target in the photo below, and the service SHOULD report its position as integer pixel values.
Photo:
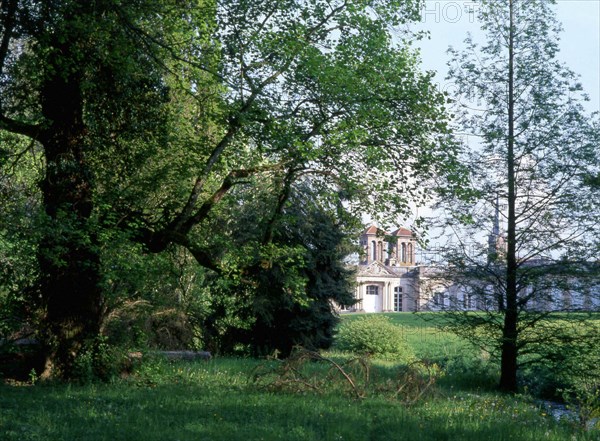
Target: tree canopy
(156, 122)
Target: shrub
(374, 335)
(567, 364)
(97, 360)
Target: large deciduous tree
(76, 82)
(148, 114)
(534, 149)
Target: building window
(403, 253)
(438, 299)
(372, 290)
(373, 250)
(398, 299)
(410, 253)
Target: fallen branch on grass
(408, 383)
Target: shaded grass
(215, 401)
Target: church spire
(493, 238)
(496, 231)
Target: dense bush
(374, 335)
(283, 287)
(566, 363)
(99, 361)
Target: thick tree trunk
(68, 254)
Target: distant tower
(496, 254)
(373, 244)
(403, 248)
(496, 243)
(395, 249)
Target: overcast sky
(448, 22)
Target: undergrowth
(355, 377)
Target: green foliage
(20, 229)
(310, 320)
(152, 300)
(583, 398)
(566, 363)
(98, 361)
(374, 335)
(279, 293)
(532, 169)
(164, 124)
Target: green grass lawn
(216, 400)
(465, 365)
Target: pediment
(375, 269)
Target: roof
(374, 230)
(399, 232)
(402, 232)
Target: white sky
(448, 22)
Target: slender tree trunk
(508, 374)
(68, 254)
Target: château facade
(389, 279)
(387, 276)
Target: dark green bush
(374, 335)
(99, 361)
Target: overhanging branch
(20, 128)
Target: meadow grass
(465, 366)
(217, 400)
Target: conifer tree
(534, 150)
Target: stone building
(387, 277)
